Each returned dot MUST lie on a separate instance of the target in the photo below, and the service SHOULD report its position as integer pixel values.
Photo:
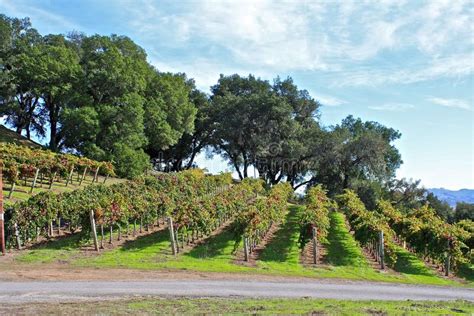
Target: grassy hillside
(216, 253)
(22, 189)
(9, 136)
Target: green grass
(466, 271)
(347, 261)
(240, 306)
(282, 253)
(344, 255)
(62, 249)
(22, 192)
(154, 252)
(281, 256)
(414, 269)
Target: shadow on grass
(342, 249)
(466, 271)
(410, 264)
(61, 243)
(213, 246)
(278, 249)
(147, 241)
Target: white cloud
(50, 21)
(328, 100)
(451, 103)
(454, 66)
(392, 107)
(341, 41)
(344, 42)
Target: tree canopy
(100, 97)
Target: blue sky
(406, 64)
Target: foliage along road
(64, 291)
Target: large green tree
(125, 109)
(58, 71)
(463, 211)
(182, 154)
(357, 151)
(268, 126)
(19, 87)
(169, 110)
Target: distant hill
(452, 197)
(9, 136)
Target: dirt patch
(307, 259)
(61, 272)
(257, 251)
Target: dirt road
(53, 291)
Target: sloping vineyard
(314, 219)
(142, 201)
(21, 162)
(255, 220)
(428, 235)
(384, 230)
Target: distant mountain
(452, 197)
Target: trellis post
(173, 241)
(246, 249)
(83, 176)
(447, 259)
(34, 180)
(94, 231)
(11, 190)
(17, 235)
(96, 175)
(2, 219)
(315, 245)
(381, 241)
(69, 179)
(52, 180)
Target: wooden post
(382, 252)
(69, 179)
(102, 236)
(315, 245)
(12, 188)
(59, 226)
(246, 249)
(83, 176)
(119, 237)
(52, 180)
(111, 232)
(2, 218)
(17, 235)
(173, 241)
(447, 259)
(176, 240)
(96, 175)
(51, 228)
(34, 180)
(94, 231)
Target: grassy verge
(59, 250)
(179, 306)
(345, 259)
(282, 253)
